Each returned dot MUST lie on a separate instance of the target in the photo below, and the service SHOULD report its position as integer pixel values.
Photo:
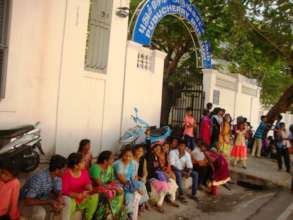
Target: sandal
(160, 209)
(146, 206)
(174, 204)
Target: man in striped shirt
(258, 136)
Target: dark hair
(82, 144)
(206, 112)
(201, 143)
(156, 145)
(282, 124)
(175, 138)
(74, 159)
(104, 156)
(138, 146)
(291, 128)
(280, 117)
(188, 109)
(263, 117)
(181, 141)
(209, 105)
(239, 124)
(127, 148)
(216, 111)
(57, 162)
(6, 164)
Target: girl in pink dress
(239, 150)
(85, 150)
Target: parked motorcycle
(136, 134)
(18, 146)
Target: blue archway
(153, 11)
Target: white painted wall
(47, 82)
(234, 97)
(143, 88)
(87, 99)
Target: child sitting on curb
(9, 189)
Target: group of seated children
(123, 188)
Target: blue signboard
(153, 11)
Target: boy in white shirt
(181, 163)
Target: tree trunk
(282, 106)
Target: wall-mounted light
(122, 12)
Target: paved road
(238, 204)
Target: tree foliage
(255, 36)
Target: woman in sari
(220, 170)
(163, 161)
(162, 183)
(111, 194)
(225, 137)
(125, 172)
(216, 122)
(141, 163)
(85, 149)
(77, 189)
(205, 128)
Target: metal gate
(192, 97)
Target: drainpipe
(124, 82)
(60, 74)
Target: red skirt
(239, 152)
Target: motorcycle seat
(14, 132)
(156, 132)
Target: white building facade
(69, 65)
(72, 69)
(237, 94)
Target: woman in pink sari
(205, 128)
(219, 165)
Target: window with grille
(216, 97)
(4, 17)
(99, 25)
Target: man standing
(41, 194)
(282, 145)
(189, 125)
(209, 107)
(258, 136)
(290, 137)
(277, 127)
(181, 163)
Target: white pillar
(209, 82)
(237, 96)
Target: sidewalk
(265, 170)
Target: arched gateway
(151, 12)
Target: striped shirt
(260, 131)
(41, 185)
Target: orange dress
(239, 150)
